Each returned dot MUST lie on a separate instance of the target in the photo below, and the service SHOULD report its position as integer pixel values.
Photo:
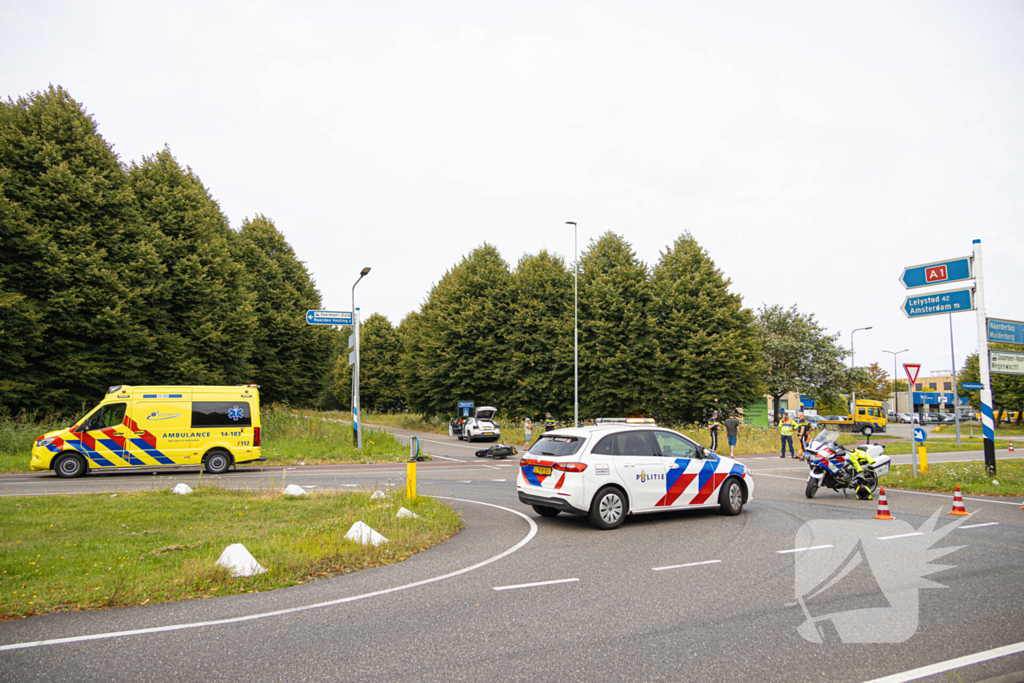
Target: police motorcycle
(834, 467)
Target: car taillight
(570, 466)
(255, 436)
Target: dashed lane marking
(951, 664)
(889, 538)
(800, 550)
(534, 585)
(684, 566)
(975, 526)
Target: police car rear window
(555, 446)
(221, 414)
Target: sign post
(912, 370)
(988, 426)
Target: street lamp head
(570, 222)
(363, 272)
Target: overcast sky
(813, 148)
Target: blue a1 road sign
(920, 436)
(328, 317)
(1005, 331)
(972, 386)
(938, 273)
(953, 301)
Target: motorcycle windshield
(826, 436)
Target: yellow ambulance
(155, 427)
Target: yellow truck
(157, 427)
(869, 418)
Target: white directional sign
(328, 317)
(1006, 362)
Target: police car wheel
(217, 462)
(608, 509)
(69, 466)
(730, 500)
(545, 511)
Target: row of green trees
(116, 273)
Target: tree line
(129, 273)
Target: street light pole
(853, 364)
(575, 321)
(895, 395)
(357, 421)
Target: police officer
(803, 431)
(786, 431)
(549, 422)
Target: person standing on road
(549, 422)
(528, 428)
(713, 428)
(803, 431)
(786, 431)
(732, 432)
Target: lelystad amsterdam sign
(939, 303)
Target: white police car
(613, 469)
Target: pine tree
(540, 337)
(379, 352)
(76, 266)
(617, 352)
(289, 357)
(205, 320)
(413, 363)
(459, 337)
(707, 353)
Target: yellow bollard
(923, 457)
(410, 479)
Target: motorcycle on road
(834, 467)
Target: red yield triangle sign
(912, 369)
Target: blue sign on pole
(953, 301)
(972, 386)
(938, 273)
(1005, 331)
(328, 317)
(920, 435)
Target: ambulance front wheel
(69, 466)
(217, 462)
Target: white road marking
(889, 538)
(444, 457)
(534, 585)
(800, 550)
(456, 445)
(504, 480)
(950, 664)
(504, 465)
(975, 526)
(464, 482)
(684, 566)
(263, 615)
(761, 473)
(491, 466)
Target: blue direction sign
(328, 317)
(938, 273)
(953, 301)
(972, 386)
(920, 435)
(1005, 331)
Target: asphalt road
(681, 596)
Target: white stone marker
(239, 561)
(361, 533)
(182, 489)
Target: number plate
(488, 433)
(541, 470)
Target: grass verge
(70, 553)
(971, 476)
(308, 438)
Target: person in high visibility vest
(786, 431)
(549, 422)
(803, 432)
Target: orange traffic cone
(1011, 447)
(958, 503)
(883, 506)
